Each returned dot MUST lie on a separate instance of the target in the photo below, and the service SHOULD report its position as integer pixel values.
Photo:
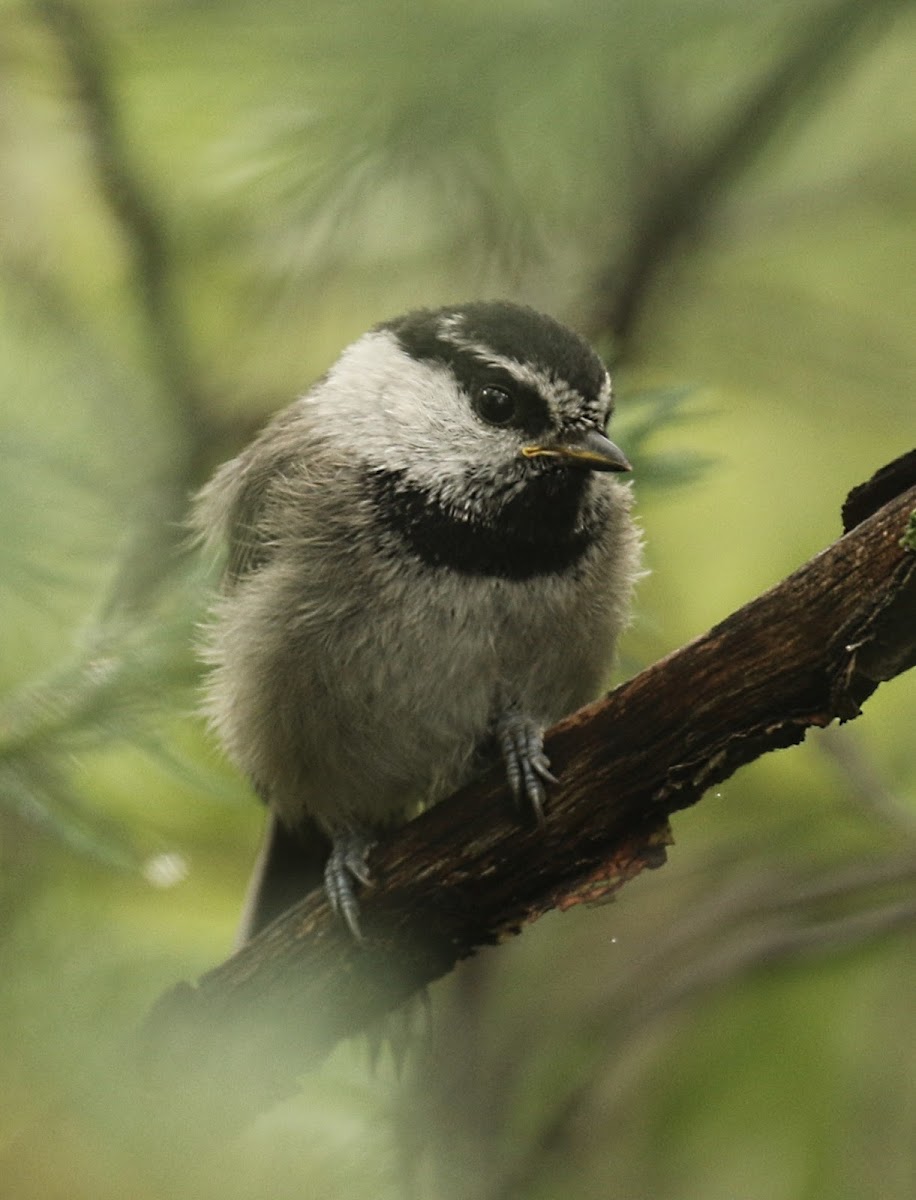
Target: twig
(864, 783)
(678, 198)
(152, 552)
(747, 951)
(128, 201)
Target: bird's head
(490, 388)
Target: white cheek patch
(396, 412)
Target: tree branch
(129, 202)
(153, 551)
(470, 873)
(682, 191)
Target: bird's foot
(521, 741)
(346, 865)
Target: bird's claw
(346, 864)
(521, 742)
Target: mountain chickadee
(428, 564)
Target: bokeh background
(200, 205)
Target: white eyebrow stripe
(561, 397)
(604, 400)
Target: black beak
(586, 448)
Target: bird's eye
(495, 405)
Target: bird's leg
(346, 863)
(521, 742)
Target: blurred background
(200, 205)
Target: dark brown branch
(468, 873)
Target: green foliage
(200, 205)
(646, 414)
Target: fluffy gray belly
(355, 712)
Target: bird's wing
(234, 510)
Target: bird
(428, 560)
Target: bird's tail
(290, 864)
